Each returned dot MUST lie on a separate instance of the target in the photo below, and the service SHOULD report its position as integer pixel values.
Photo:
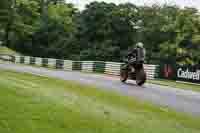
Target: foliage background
(102, 31)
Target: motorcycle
(133, 70)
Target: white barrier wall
(113, 68)
(68, 64)
(151, 71)
(87, 66)
(27, 60)
(17, 59)
(5, 57)
(52, 62)
(38, 61)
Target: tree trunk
(9, 24)
(7, 32)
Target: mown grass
(33, 104)
(176, 84)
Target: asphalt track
(177, 99)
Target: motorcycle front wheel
(123, 75)
(140, 77)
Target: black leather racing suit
(139, 53)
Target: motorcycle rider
(133, 67)
(139, 52)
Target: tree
(54, 36)
(188, 30)
(106, 30)
(151, 33)
(100, 32)
(165, 29)
(6, 13)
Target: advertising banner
(188, 73)
(167, 71)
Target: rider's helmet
(139, 45)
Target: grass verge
(175, 84)
(37, 104)
(5, 50)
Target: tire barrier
(32, 61)
(27, 60)
(99, 66)
(22, 59)
(44, 62)
(51, 63)
(59, 64)
(68, 65)
(111, 68)
(87, 66)
(76, 65)
(38, 61)
(4, 57)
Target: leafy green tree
(106, 30)
(54, 36)
(100, 32)
(6, 13)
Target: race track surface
(177, 99)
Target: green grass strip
(34, 104)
